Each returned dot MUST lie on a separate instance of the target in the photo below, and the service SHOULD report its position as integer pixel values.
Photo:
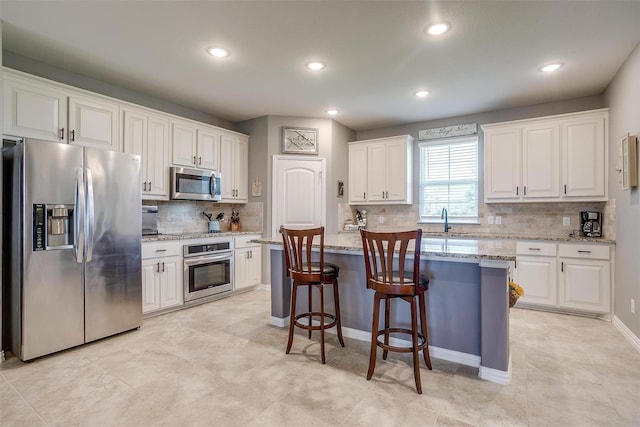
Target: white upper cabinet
(584, 157)
(94, 122)
(234, 166)
(502, 148)
(195, 146)
(148, 136)
(33, 109)
(547, 159)
(380, 171)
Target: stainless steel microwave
(195, 184)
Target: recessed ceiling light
(437, 29)
(332, 111)
(551, 67)
(422, 93)
(316, 65)
(218, 52)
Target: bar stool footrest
(422, 343)
(329, 316)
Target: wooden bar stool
(305, 272)
(388, 278)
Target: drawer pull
(534, 249)
(584, 252)
(161, 250)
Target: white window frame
(451, 216)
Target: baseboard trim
(467, 359)
(626, 332)
(496, 375)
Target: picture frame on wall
(299, 140)
(629, 160)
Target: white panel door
(357, 173)
(208, 148)
(171, 290)
(376, 171)
(135, 139)
(396, 171)
(583, 154)
(299, 192)
(157, 157)
(241, 172)
(502, 164)
(240, 268)
(183, 138)
(150, 285)
(34, 111)
(585, 284)
(227, 165)
(254, 265)
(94, 122)
(541, 161)
(537, 276)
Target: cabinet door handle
(163, 267)
(562, 266)
(517, 189)
(525, 190)
(194, 160)
(584, 252)
(62, 133)
(158, 267)
(364, 195)
(199, 160)
(73, 135)
(565, 189)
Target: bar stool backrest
(297, 253)
(383, 274)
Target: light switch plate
(490, 219)
(566, 221)
(498, 220)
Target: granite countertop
(455, 235)
(486, 249)
(200, 235)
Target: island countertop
(464, 248)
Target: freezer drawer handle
(90, 215)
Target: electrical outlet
(381, 219)
(490, 219)
(566, 221)
(498, 220)
(633, 306)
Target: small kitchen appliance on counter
(590, 223)
(149, 220)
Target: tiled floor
(221, 364)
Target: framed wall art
(298, 140)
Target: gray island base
(467, 300)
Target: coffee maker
(590, 222)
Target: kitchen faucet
(445, 216)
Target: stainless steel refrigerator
(74, 255)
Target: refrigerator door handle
(91, 226)
(78, 207)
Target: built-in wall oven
(208, 269)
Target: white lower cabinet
(572, 276)
(247, 262)
(585, 278)
(161, 276)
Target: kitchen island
(467, 300)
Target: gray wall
(41, 69)
(623, 98)
(548, 109)
(266, 141)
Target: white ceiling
(376, 52)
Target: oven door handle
(208, 258)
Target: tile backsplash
(180, 216)
(535, 219)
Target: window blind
(449, 179)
